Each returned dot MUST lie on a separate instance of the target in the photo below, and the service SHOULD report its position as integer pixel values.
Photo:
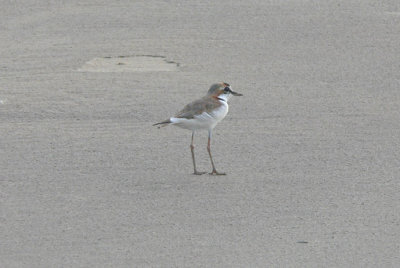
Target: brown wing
(197, 107)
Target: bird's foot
(214, 172)
(199, 172)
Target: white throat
(224, 97)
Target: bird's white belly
(204, 120)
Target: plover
(204, 113)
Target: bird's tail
(163, 123)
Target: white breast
(220, 112)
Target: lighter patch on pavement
(394, 13)
(136, 63)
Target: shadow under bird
(204, 113)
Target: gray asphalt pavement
(311, 150)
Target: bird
(204, 114)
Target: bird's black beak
(236, 94)
(228, 88)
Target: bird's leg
(194, 162)
(214, 171)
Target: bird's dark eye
(227, 89)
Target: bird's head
(222, 90)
